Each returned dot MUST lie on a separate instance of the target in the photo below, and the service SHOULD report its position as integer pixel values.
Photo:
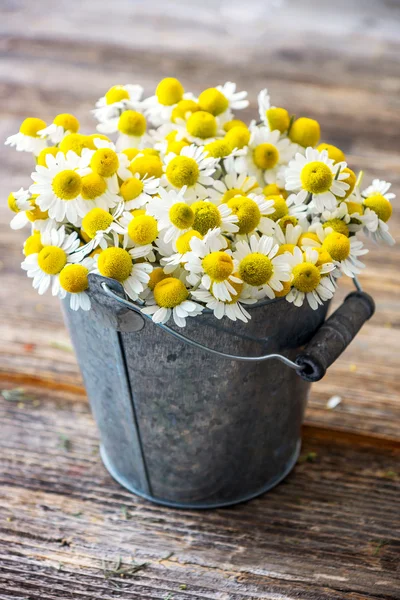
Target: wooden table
(332, 529)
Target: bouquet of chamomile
(189, 207)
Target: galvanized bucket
(206, 418)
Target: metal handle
(327, 344)
(183, 338)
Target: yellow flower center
(143, 230)
(115, 263)
(169, 91)
(355, 207)
(213, 101)
(337, 245)
(288, 220)
(12, 203)
(183, 108)
(231, 194)
(233, 123)
(278, 118)
(271, 189)
(105, 162)
(41, 159)
(183, 241)
(237, 137)
(52, 260)
(132, 123)
(247, 212)
(176, 147)
(181, 215)
(74, 278)
(218, 266)
(76, 142)
(96, 220)
(93, 186)
(308, 236)
(334, 153)
(170, 292)
(202, 124)
(31, 126)
(149, 165)
(255, 269)
(33, 244)
(67, 185)
(265, 156)
(380, 206)
(238, 287)
(206, 216)
(36, 214)
(286, 289)
(219, 148)
(116, 94)
(67, 122)
(306, 277)
(131, 153)
(337, 225)
(316, 177)
(156, 276)
(350, 180)
(131, 188)
(323, 256)
(285, 248)
(280, 206)
(305, 132)
(181, 171)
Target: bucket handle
(329, 341)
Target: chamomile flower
(193, 168)
(175, 258)
(58, 187)
(137, 191)
(45, 266)
(171, 298)
(131, 126)
(173, 213)
(289, 238)
(379, 186)
(266, 153)
(252, 212)
(19, 202)
(260, 267)
(236, 100)
(231, 185)
(101, 228)
(73, 281)
(28, 138)
(209, 264)
(309, 280)
(273, 117)
(200, 128)
(140, 230)
(117, 263)
(107, 163)
(343, 250)
(317, 176)
(118, 99)
(62, 125)
(377, 199)
(232, 309)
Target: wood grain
(331, 530)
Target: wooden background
(332, 529)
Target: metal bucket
(183, 426)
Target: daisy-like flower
(117, 263)
(174, 258)
(45, 266)
(309, 279)
(289, 238)
(232, 185)
(118, 99)
(58, 187)
(273, 117)
(101, 228)
(62, 125)
(73, 280)
(377, 199)
(266, 153)
(252, 212)
(28, 138)
(140, 230)
(316, 175)
(171, 298)
(137, 191)
(192, 168)
(19, 202)
(131, 126)
(173, 213)
(211, 266)
(200, 128)
(232, 309)
(260, 267)
(169, 92)
(344, 251)
(106, 163)
(379, 186)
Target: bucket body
(181, 426)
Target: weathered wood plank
(330, 531)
